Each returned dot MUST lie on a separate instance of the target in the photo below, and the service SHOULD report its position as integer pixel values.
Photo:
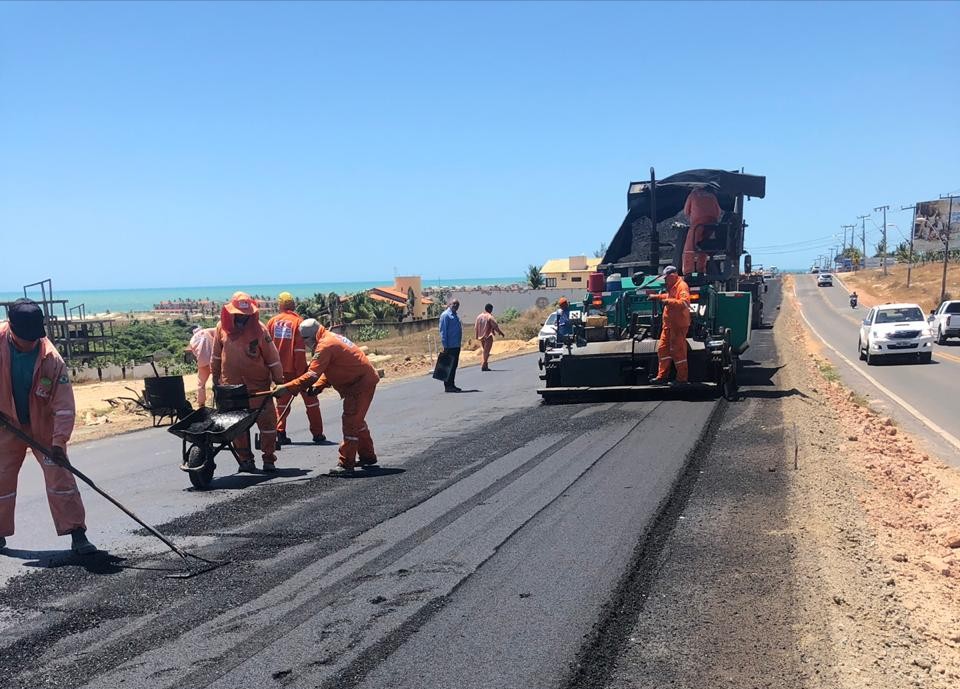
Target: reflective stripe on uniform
(313, 374)
(61, 492)
(10, 495)
(215, 357)
(268, 432)
(299, 350)
(350, 437)
(275, 363)
(310, 406)
(63, 412)
(680, 361)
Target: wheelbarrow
(205, 432)
(162, 397)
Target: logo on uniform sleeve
(63, 379)
(345, 341)
(252, 347)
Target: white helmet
(309, 328)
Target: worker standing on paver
(285, 330)
(36, 396)
(701, 209)
(451, 337)
(201, 344)
(672, 347)
(486, 327)
(563, 325)
(244, 353)
(340, 364)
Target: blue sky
(190, 144)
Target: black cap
(26, 320)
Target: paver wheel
(202, 477)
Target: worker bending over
(701, 209)
(36, 397)
(244, 354)
(201, 344)
(285, 330)
(338, 363)
(672, 347)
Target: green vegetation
(368, 333)
(828, 371)
(534, 278)
(510, 314)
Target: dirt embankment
(873, 287)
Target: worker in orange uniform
(285, 330)
(36, 398)
(701, 209)
(486, 327)
(340, 364)
(672, 347)
(244, 353)
(201, 344)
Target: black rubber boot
(80, 545)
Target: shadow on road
(771, 394)
(100, 562)
(241, 481)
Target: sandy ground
(873, 287)
(97, 417)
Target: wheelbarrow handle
(264, 393)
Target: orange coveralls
(52, 414)
(339, 363)
(672, 347)
(249, 357)
(701, 209)
(285, 330)
(486, 327)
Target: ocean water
(138, 300)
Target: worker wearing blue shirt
(451, 337)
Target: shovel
(7, 423)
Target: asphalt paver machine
(613, 346)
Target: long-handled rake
(7, 423)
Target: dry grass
(874, 287)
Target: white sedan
(895, 330)
(548, 333)
(824, 280)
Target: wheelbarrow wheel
(200, 478)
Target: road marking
(940, 354)
(896, 398)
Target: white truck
(945, 321)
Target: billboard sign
(931, 223)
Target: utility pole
(912, 225)
(845, 228)
(946, 247)
(863, 236)
(883, 254)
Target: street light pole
(883, 254)
(913, 224)
(845, 228)
(946, 247)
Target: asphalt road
(922, 397)
(479, 555)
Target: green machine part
(735, 311)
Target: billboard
(931, 223)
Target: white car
(548, 333)
(824, 280)
(945, 321)
(895, 330)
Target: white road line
(896, 398)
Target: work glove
(280, 391)
(315, 390)
(59, 456)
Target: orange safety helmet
(563, 302)
(242, 304)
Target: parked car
(824, 280)
(548, 333)
(895, 330)
(945, 321)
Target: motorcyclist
(853, 300)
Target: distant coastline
(122, 301)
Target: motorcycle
(853, 301)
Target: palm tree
(534, 278)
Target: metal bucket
(231, 397)
(165, 392)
